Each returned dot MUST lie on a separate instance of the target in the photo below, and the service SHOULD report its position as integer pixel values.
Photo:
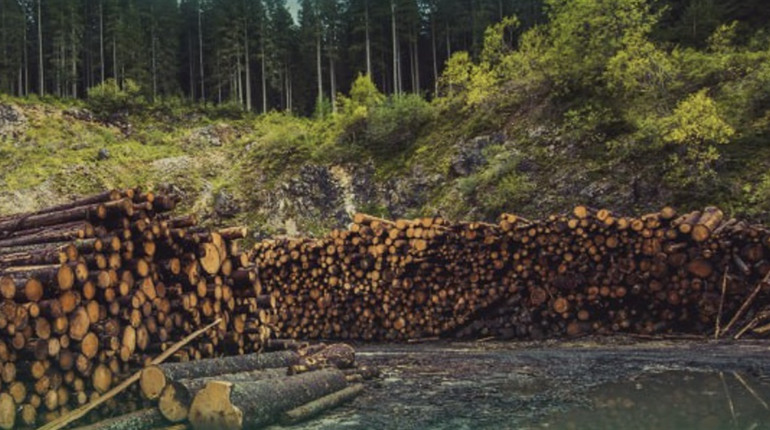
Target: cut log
(323, 404)
(83, 213)
(708, 222)
(228, 405)
(176, 398)
(7, 411)
(155, 378)
(142, 419)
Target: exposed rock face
(310, 197)
(211, 135)
(407, 193)
(80, 114)
(13, 122)
(470, 155)
(225, 205)
(328, 196)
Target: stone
(13, 122)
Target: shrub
(395, 123)
(109, 98)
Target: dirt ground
(588, 384)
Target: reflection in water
(673, 400)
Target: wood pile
(589, 271)
(245, 391)
(93, 289)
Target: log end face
(65, 277)
(174, 402)
(209, 258)
(7, 411)
(152, 381)
(7, 287)
(212, 409)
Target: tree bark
(41, 70)
(101, 39)
(368, 41)
(175, 399)
(396, 84)
(200, 52)
(141, 419)
(318, 406)
(238, 405)
(247, 61)
(318, 68)
(154, 379)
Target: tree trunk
(115, 59)
(26, 61)
(154, 57)
(435, 59)
(395, 47)
(318, 68)
(200, 52)
(191, 65)
(333, 83)
(74, 63)
(247, 61)
(41, 70)
(368, 41)
(239, 80)
(101, 38)
(263, 66)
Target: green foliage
(640, 69)
(697, 127)
(587, 123)
(279, 143)
(696, 121)
(585, 34)
(499, 187)
(351, 122)
(457, 76)
(363, 93)
(394, 124)
(109, 98)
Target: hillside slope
(617, 119)
(271, 173)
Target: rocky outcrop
(13, 122)
(210, 135)
(470, 157)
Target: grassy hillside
(618, 119)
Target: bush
(392, 125)
(109, 98)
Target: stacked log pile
(93, 289)
(245, 391)
(589, 271)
